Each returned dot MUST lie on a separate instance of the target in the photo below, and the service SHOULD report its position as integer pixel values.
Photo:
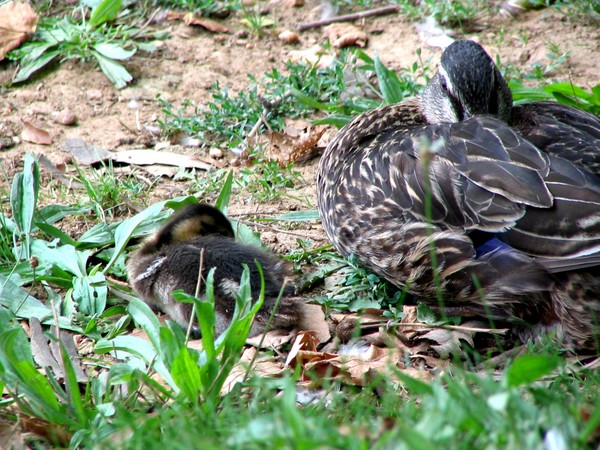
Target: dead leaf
(305, 341)
(57, 174)
(313, 319)
(345, 34)
(149, 157)
(208, 24)
(158, 170)
(264, 365)
(85, 154)
(45, 429)
(35, 135)
(293, 144)
(17, 21)
(274, 339)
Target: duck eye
(444, 86)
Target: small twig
(145, 25)
(279, 230)
(197, 295)
(348, 17)
(449, 327)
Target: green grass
(227, 119)
(460, 409)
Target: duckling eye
(444, 86)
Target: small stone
(94, 95)
(216, 153)
(289, 37)
(65, 117)
(293, 3)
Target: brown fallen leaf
(359, 368)
(264, 365)
(35, 135)
(274, 339)
(313, 320)
(306, 341)
(345, 35)
(17, 21)
(293, 144)
(208, 24)
(59, 434)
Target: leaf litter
(17, 21)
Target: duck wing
(472, 175)
(561, 130)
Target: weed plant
(227, 119)
(95, 39)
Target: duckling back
(170, 259)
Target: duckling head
(467, 83)
(198, 219)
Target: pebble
(216, 153)
(289, 37)
(64, 117)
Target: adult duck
(459, 197)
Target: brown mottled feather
(523, 178)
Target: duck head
(198, 219)
(467, 83)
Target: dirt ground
(192, 59)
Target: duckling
(460, 196)
(170, 259)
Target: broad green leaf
(30, 67)
(172, 339)
(105, 11)
(529, 368)
(114, 51)
(222, 202)
(143, 316)
(244, 233)
(23, 198)
(113, 70)
(300, 216)
(309, 101)
(72, 387)
(56, 233)
(186, 374)
(34, 50)
(99, 235)
(125, 230)
(66, 257)
(568, 89)
(123, 345)
(390, 85)
(53, 213)
(18, 371)
(90, 293)
(20, 303)
(426, 315)
(336, 120)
